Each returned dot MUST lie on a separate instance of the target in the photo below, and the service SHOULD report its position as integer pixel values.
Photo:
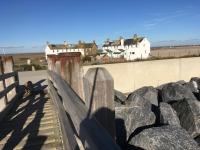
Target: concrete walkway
(33, 76)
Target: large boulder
(197, 139)
(196, 80)
(160, 87)
(164, 138)
(192, 86)
(181, 82)
(168, 115)
(188, 112)
(135, 100)
(119, 98)
(174, 92)
(132, 118)
(148, 92)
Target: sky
(26, 25)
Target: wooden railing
(9, 83)
(80, 131)
(10, 87)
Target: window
(133, 53)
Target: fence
(181, 51)
(86, 123)
(8, 85)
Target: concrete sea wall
(131, 76)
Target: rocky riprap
(161, 118)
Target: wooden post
(65, 70)
(51, 60)
(58, 67)
(69, 67)
(8, 66)
(71, 71)
(99, 97)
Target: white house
(130, 49)
(86, 49)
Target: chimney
(122, 41)
(65, 43)
(47, 42)
(107, 41)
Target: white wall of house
(49, 51)
(139, 51)
(76, 50)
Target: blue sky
(26, 25)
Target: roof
(126, 42)
(121, 50)
(85, 45)
(72, 46)
(109, 51)
(112, 43)
(57, 46)
(117, 53)
(133, 41)
(108, 43)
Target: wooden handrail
(91, 133)
(9, 83)
(8, 89)
(8, 75)
(69, 140)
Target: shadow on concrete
(17, 129)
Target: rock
(133, 118)
(160, 87)
(175, 92)
(181, 82)
(119, 98)
(188, 112)
(164, 138)
(196, 80)
(192, 86)
(168, 115)
(148, 92)
(135, 100)
(197, 139)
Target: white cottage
(86, 49)
(130, 49)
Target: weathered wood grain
(8, 89)
(69, 140)
(8, 75)
(91, 133)
(99, 97)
